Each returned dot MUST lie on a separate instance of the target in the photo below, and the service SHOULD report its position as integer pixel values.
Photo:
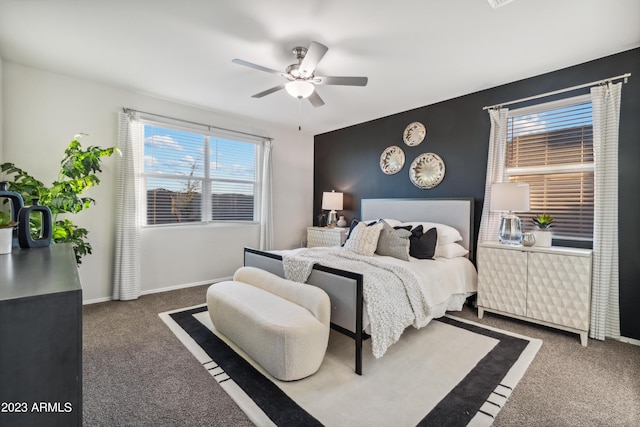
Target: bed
(350, 312)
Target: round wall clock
(427, 171)
(414, 134)
(392, 160)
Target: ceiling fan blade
(256, 66)
(341, 81)
(269, 91)
(315, 53)
(315, 99)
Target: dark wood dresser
(40, 338)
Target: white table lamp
(510, 197)
(332, 202)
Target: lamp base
(332, 219)
(510, 230)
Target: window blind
(550, 146)
(193, 177)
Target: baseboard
(629, 341)
(158, 290)
(183, 286)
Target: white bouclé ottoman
(283, 325)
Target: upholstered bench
(282, 325)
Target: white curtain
(265, 209)
(605, 314)
(126, 281)
(490, 221)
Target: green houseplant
(543, 234)
(79, 171)
(543, 221)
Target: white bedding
(443, 284)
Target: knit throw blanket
(392, 294)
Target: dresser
(40, 338)
(325, 236)
(549, 286)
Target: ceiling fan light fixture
(299, 88)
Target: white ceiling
(415, 52)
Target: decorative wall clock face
(414, 134)
(427, 171)
(392, 160)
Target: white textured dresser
(549, 286)
(325, 236)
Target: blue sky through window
(181, 153)
(551, 120)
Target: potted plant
(543, 234)
(78, 171)
(6, 233)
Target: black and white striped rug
(452, 372)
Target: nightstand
(325, 236)
(549, 286)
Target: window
(193, 177)
(550, 146)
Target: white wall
(42, 113)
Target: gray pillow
(393, 242)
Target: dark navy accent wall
(347, 160)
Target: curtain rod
(129, 110)
(555, 92)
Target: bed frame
(344, 287)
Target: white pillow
(446, 233)
(363, 239)
(450, 250)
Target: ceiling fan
(301, 80)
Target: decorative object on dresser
(543, 233)
(550, 286)
(332, 202)
(45, 221)
(510, 197)
(6, 233)
(16, 202)
(528, 239)
(392, 160)
(427, 171)
(414, 134)
(341, 221)
(323, 236)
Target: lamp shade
(332, 201)
(510, 196)
(299, 88)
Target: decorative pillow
(450, 250)
(393, 242)
(356, 222)
(446, 233)
(363, 239)
(423, 245)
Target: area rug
(452, 372)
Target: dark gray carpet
(137, 373)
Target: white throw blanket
(393, 296)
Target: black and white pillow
(363, 239)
